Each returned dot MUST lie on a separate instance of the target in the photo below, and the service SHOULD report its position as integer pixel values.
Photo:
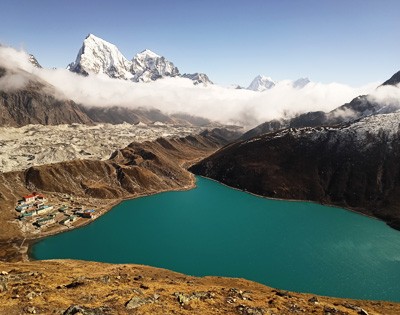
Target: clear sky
(348, 41)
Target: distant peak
(394, 80)
(149, 53)
(96, 39)
(261, 83)
(264, 77)
(92, 36)
(301, 82)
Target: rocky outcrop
(354, 166)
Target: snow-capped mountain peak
(147, 53)
(99, 56)
(198, 78)
(261, 83)
(149, 66)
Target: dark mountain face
(327, 165)
(34, 104)
(394, 80)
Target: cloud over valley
(179, 95)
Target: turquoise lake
(216, 230)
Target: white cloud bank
(173, 95)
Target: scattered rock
(31, 295)
(137, 278)
(294, 308)
(4, 273)
(74, 284)
(82, 310)
(30, 310)
(355, 308)
(3, 284)
(143, 286)
(282, 293)
(314, 300)
(203, 295)
(331, 310)
(239, 294)
(183, 299)
(136, 302)
(105, 279)
(247, 310)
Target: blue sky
(353, 41)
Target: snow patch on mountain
(362, 132)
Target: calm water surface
(216, 230)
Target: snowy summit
(148, 66)
(261, 83)
(99, 56)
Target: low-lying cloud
(177, 95)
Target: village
(38, 211)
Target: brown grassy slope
(51, 287)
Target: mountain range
(99, 56)
(262, 83)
